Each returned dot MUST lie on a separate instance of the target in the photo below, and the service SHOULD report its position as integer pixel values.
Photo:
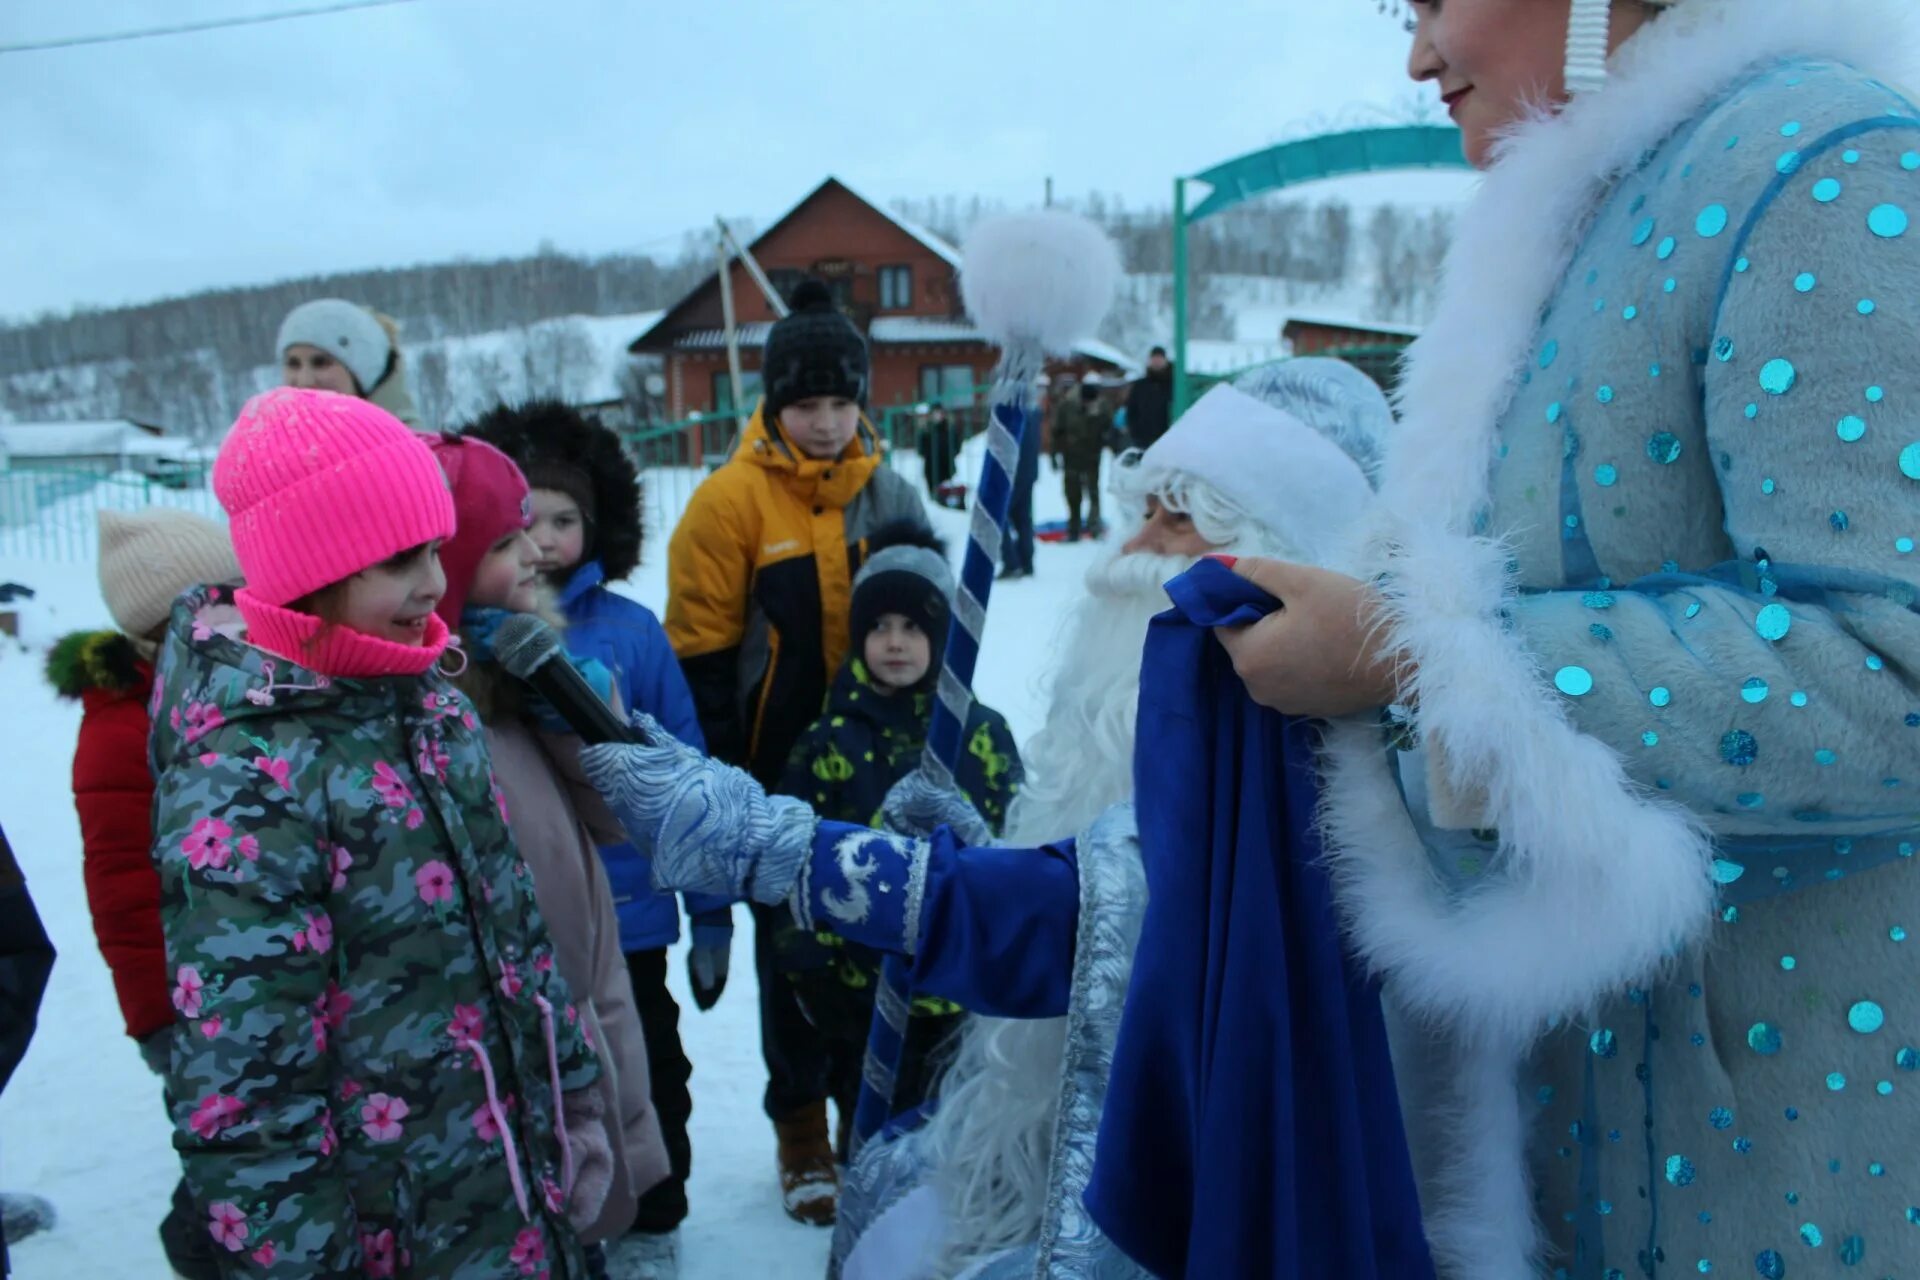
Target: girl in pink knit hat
(376, 1068)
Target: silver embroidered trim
(858, 862)
(917, 858)
(1113, 895)
(1004, 448)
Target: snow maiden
(1645, 596)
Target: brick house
(898, 283)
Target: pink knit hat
(490, 500)
(319, 486)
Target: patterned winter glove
(709, 958)
(707, 826)
(592, 1148)
(917, 804)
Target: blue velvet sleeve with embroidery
(989, 929)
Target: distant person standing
(1081, 423)
(939, 445)
(1016, 548)
(1150, 401)
(331, 344)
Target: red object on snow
(113, 791)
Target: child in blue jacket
(586, 522)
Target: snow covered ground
(82, 1122)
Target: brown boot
(809, 1182)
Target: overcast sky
(481, 127)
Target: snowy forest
(185, 362)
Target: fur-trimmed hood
(547, 433)
(107, 661)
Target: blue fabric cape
(1251, 1127)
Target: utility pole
(732, 329)
(1049, 191)
(747, 260)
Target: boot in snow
(809, 1181)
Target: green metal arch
(1288, 164)
(1331, 155)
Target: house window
(896, 288)
(784, 281)
(947, 384)
(723, 390)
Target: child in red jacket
(146, 559)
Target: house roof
(753, 334)
(1358, 323)
(94, 438)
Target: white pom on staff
(1045, 278)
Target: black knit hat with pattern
(815, 351)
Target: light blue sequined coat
(1711, 484)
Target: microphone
(530, 652)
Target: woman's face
(1494, 59)
(312, 369)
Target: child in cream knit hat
(147, 558)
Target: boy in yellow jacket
(759, 593)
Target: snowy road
(82, 1122)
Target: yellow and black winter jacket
(760, 585)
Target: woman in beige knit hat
(147, 558)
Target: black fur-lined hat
(558, 447)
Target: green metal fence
(53, 513)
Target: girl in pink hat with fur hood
(377, 1069)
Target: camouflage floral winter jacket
(372, 1033)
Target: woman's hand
(1320, 653)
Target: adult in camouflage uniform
(1082, 424)
(375, 1060)
(870, 736)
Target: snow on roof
(927, 239)
(1325, 321)
(752, 334)
(95, 438)
(903, 330)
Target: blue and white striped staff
(1033, 283)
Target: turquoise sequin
(1851, 428)
(1805, 281)
(1875, 395)
(1680, 1171)
(1575, 682)
(1711, 222)
(1910, 461)
(1754, 691)
(1866, 1017)
(1827, 190)
(1667, 246)
(1664, 448)
(1660, 696)
(1643, 232)
(1606, 475)
(1773, 622)
(1777, 377)
(1888, 221)
(1549, 353)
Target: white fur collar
(1600, 882)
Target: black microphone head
(523, 643)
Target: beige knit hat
(149, 557)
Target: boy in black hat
(871, 735)
(759, 592)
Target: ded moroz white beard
(991, 1139)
